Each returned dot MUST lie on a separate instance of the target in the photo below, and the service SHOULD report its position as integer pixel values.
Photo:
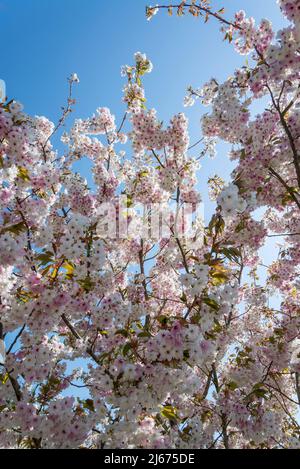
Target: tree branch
(201, 9)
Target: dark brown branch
(157, 159)
(16, 339)
(16, 387)
(66, 111)
(76, 334)
(195, 144)
(122, 123)
(287, 187)
(297, 380)
(202, 9)
(207, 386)
(69, 325)
(288, 134)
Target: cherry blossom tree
(177, 344)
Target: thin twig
(202, 9)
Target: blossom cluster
(177, 339)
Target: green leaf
(205, 416)
(243, 154)
(69, 266)
(261, 392)
(169, 412)
(46, 270)
(212, 223)
(233, 254)
(122, 332)
(127, 347)
(232, 385)
(183, 298)
(217, 223)
(258, 386)
(211, 303)
(23, 174)
(163, 320)
(217, 327)
(218, 278)
(87, 284)
(220, 225)
(89, 405)
(45, 258)
(144, 334)
(4, 378)
(16, 229)
(288, 197)
(241, 226)
(129, 202)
